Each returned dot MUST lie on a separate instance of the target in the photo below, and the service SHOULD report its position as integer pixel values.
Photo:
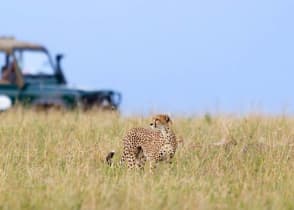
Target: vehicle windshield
(34, 62)
(2, 60)
(2, 63)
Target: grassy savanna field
(55, 160)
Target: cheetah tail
(109, 157)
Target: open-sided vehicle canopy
(8, 44)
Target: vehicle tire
(5, 102)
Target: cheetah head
(160, 121)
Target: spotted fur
(154, 144)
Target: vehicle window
(2, 62)
(34, 62)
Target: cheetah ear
(167, 119)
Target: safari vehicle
(30, 77)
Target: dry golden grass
(55, 160)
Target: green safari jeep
(30, 77)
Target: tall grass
(55, 160)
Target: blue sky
(182, 57)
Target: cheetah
(154, 144)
